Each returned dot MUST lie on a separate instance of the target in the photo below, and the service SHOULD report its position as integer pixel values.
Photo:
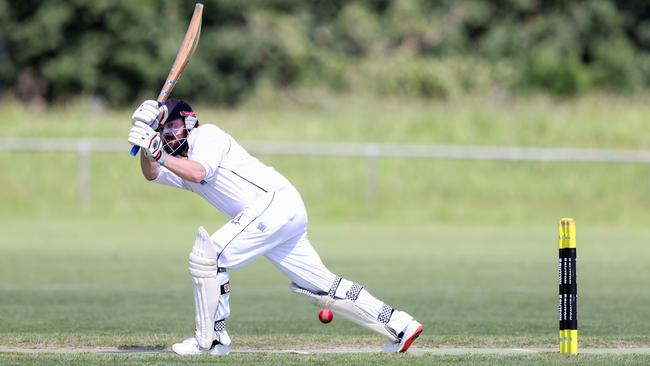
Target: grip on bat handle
(135, 149)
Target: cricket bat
(188, 46)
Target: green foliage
(617, 66)
(550, 70)
(121, 50)
(405, 75)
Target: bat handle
(134, 150)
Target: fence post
(84, 148)
(371, 153)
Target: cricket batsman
(267, 218)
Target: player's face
(174, 136)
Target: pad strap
(220, 325)
(385, 314)
(225, 288)
(353, 292)
(335, 286)
(344, 289)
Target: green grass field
(121, 283)
(377, 359)
(469, 248)
(420, 191)
(598, 120)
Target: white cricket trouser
(276, 227)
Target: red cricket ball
(325, 315)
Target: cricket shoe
(191, 347)
(406, 338)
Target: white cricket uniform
(267, 214)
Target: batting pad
(349, 310)
(205, 287)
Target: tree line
(118, 50)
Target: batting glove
(149, 113)
(149, 141)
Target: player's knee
(203, 258)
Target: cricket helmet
(177, 108)
(174, 137)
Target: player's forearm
(189, 170)
(150, 169)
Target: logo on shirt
(261, 227)
(236, 219)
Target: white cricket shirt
(234, 179)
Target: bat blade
(188, 46)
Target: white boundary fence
(371, 153)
